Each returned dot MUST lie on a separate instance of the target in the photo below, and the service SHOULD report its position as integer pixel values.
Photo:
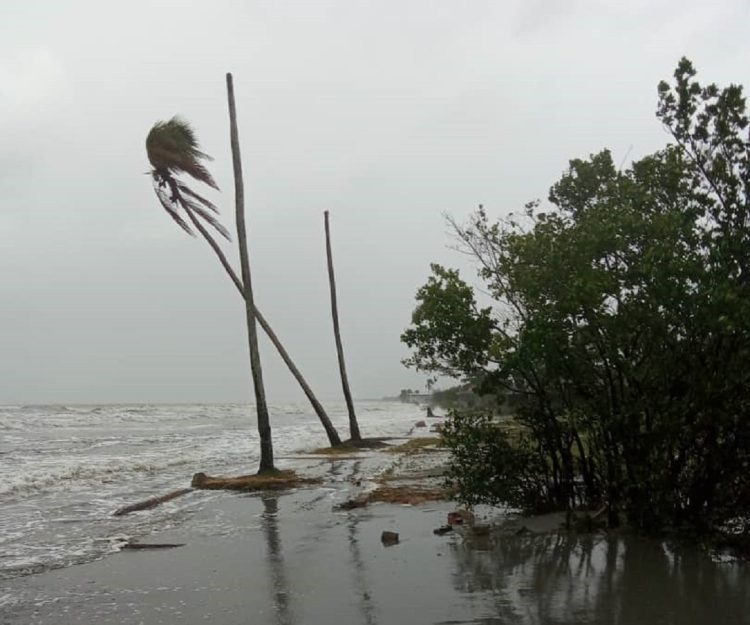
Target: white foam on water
(65, 469)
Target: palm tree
(172, 150)
(353, 425)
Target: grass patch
(277, 480)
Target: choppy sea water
(65, 469)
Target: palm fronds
(172, 150)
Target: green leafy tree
(620, 322)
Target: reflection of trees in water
(276, 560)
(600, 579)
(360, 580)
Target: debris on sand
(151, 503)
(389, 538)
(460, 517)
(407, 495)
(276, 480)
(424, 444)
(413, 495)
(152, 545)
(351, 504)
(349, 447)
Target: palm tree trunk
(353, 425)
(333, 435)
(264, 424)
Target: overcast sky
(389, 114)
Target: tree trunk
(353, 425)
(333, 436)
(264, 425)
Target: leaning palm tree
(173, 150)
(354, 433)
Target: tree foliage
(621, 322)
(173, 150)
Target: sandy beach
(293, 563)
(269, 558)
(293, 557)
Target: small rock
(420, 424)
(440, 531)
(389, 538)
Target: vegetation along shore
(617, 331)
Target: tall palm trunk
(264, 424)
(353, 425)
(333, 436)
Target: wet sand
(290, 558)
(276, 558)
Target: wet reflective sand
(290, 560)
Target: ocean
(65, 469)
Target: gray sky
(387, 113)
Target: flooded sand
(65, 469)
(290, 559)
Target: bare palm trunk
(264, 424)
(333, 436)
(353, 425)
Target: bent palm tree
(172, 150)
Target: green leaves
(449, 333)
(172, 149)
(620, 324)
(491, 466)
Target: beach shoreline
(232, 553)
(300, 557)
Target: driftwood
(151, 503)
(152, 545)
